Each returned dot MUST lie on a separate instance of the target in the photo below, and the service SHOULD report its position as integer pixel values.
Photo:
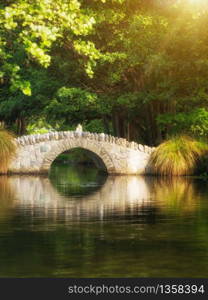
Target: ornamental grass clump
(177, 156)
(7, 150)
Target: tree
(141, 62)
(158, 65)
(29, 30)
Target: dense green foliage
(133, 68)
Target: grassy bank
(7, 150)
(180, 155)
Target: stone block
(44, 148)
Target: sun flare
(198, 2)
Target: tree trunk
(106, 125)
(21, 127)
(116, 127)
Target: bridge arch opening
(80, 156)
(95, 152)
(77, 172)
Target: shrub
(194, 123)
(7, 150)
(179, 155)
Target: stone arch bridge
(35, 153)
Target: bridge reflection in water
(124, 226)
(119, 196)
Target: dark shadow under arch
(78, 172)
(91, 157)
(98, 154)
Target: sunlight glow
(198, 2)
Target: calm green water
(78, 223)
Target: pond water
(80, 223)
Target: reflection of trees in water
(176, 194)
(76, 180)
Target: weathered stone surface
(117, 156)
(44, 148)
